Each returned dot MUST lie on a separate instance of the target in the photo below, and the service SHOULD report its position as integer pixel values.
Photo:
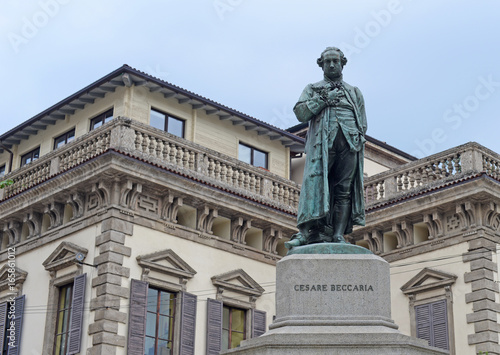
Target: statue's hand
(333, 95)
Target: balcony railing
(158, 147)
(434, 170)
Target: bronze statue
(331, 198)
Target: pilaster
(484, 294)
(108, 289)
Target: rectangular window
(2, 170)
(167, 123)
(432, 323)
(101, 119)
(233, 327)
(252, 156)
(31, 156)
(63, 319)
(159, 322)
(64, 139)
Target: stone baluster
(172, 153)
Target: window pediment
(166, 262)
(6, 277)
(237, 281)
(428, 279)
(63, 256)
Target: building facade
(146, 219)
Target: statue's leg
(341, 180)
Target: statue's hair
(343, 59)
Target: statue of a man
(331, 198)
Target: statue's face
(332, 65)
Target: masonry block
(486, 325)
(102, 349)
(115, 248)
(110, 315)
(108, 257)
(108, 289)
(480, 295)
(110, 268)
(482, 337)
(481, 253)
(110, 236)
(103, 326)
(484, 284)
(486, 305)
(481, 316)
(481, 274)
(107, 279)
(109, 338)
(483, 264)
(117, 225)
(104, 302)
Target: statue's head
(332, 62)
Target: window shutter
(258, 323)
(3, 322)
(432, 323)
(440, 325)
(76, 319)
(214, 327)
(423, 320)
(137, 317)
(18, 322)
(188, 323)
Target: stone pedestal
(333, 304)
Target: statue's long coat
(314, 200)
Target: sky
(429, 70)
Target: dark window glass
(98, 121)
(2, 170)
(31, 156)
(252, 156)
(167, 123)
(64, 138)
(63, 315)
(233, 327)
(159, 322)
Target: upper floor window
(101, 119)
(233, 327)
(432, 323)
(167, 123)
(64, 138)
(159, 322)
(252, 156)
(2, 170)
(63, 319)
(30, 156)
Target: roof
(302, 126)
(128, 76)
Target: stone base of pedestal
(333, 304)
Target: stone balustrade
(156, 146)
(448, 165)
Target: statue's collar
(334, 82)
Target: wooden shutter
(432, 323)
(76, 318)
(258, 323)
(214, 327)
(137, 317)
(188, 323)
(423, 320)
(440, 325)
(3, 323)
(18, 322)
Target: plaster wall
(372, 167)
(36, 288)
(207, 262)
(402, 271)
